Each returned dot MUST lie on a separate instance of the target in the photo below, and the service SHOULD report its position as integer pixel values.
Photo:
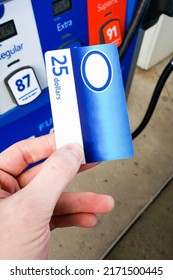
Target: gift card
(88, 101)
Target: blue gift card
(88, 101)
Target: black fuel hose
(155, 97)
(134, 26)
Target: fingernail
(76, 150)
(111, 202)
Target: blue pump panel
(60, 23)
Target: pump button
(110, 32)
(23, 85)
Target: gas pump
(29, 28)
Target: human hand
(32, 202)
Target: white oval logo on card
(96, 70)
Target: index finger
(17, 157)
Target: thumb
(56, 173)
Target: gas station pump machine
(29, 28)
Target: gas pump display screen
(61, 6)
(7, 30)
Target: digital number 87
(20, 83)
